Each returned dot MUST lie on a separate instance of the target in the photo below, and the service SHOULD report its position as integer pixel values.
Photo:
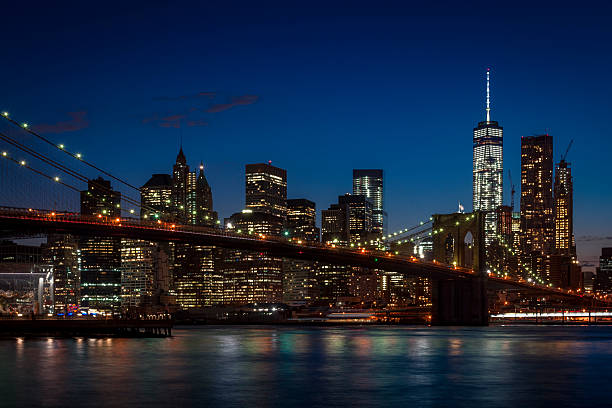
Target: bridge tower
(459, 239)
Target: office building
(254, 277)
(369, 183)
(300, 286)
(266, 189)
(487, 178)
(100, 256)
(537, 218)
(563, 210)
(603, 279)
(302, 220)
(61, 252)
(156, 198)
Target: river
(268, 366)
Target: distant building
(369, 183)
(100, 256)
(564, 210)
(300, 286)
(359, 217)
(603, 279)
(266, 189)
(182, 190)
(61, 252)
(255, 277)
(196, 281)
(537, 218)
(488, 169)
(302, 219)
(156, 198)
(348, 221)
(335, 224)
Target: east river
(267, 366)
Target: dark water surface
(263, 366)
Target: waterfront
(288, 366)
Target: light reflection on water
(284, 366)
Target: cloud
(174, 118)
(205, 94)
(590, 238)
(79, 121)
(176, 124)
(240, 100)
(193, 123)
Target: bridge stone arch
(460, 301)
(457, 227)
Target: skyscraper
(488, 169)
(266, 189)
(369, 182)
(537, 219)
(256, 276)
(359, 217)
(196, 281)
(156, 198)
(564, 212)
(299, 277)
(100, 256)
(302, 219)
(180, 188)
(62, 253)
(603, 279)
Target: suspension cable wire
(22, 163)
(61, 148)
(403, 231)
(65, 169)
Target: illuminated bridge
(459, 293)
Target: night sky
(320, 90)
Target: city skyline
(403, 115)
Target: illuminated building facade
(302, 220)
(537, 218)
(254, 277)
(359, 217)
(100, 256)
(196, 281)
(299, 277)
(369, 183)
(603, 279)
(266, 189)
(487, 176)
(156, 198)
(181, 189)
(335, 225)
(563, 211)
(62, 253)
(137, 274)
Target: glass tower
(488, 169)
(369, 182)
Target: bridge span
(459, 294)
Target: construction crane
(567, 150)
(512, 191)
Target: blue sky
(320, 90)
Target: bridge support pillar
(460, 302)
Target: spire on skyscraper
(180, 158)
(488, 97)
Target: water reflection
(284, 366)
